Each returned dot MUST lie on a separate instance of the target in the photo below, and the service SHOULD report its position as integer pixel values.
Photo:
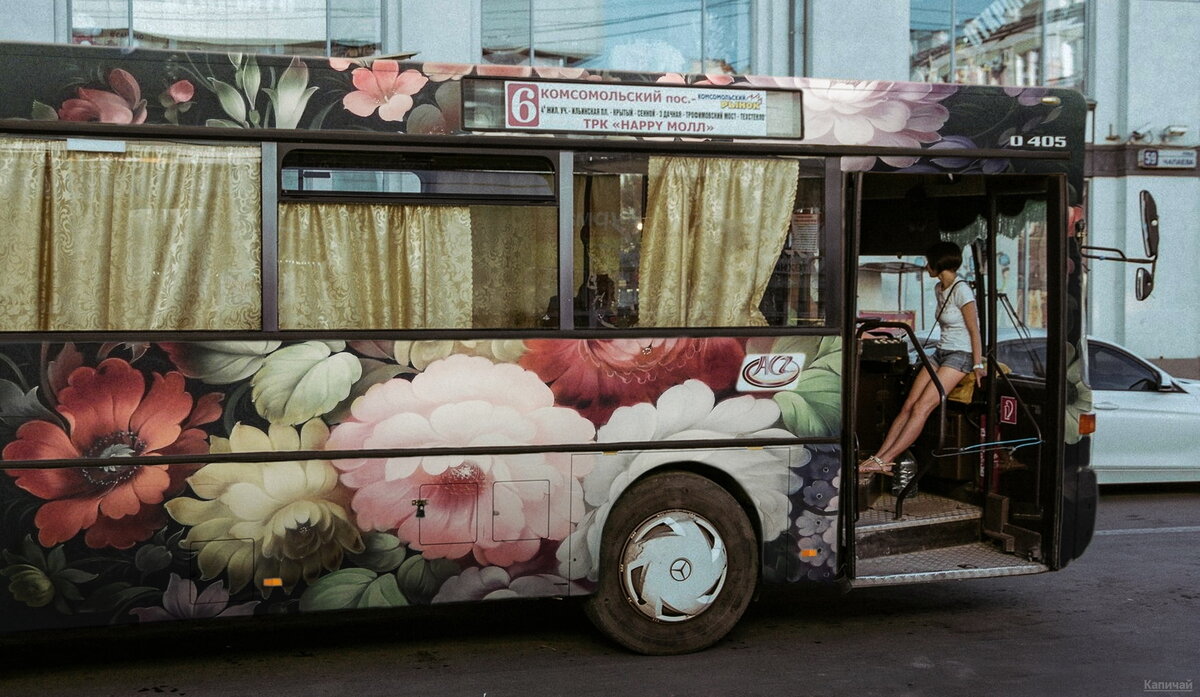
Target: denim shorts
(959, 360)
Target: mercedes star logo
(680, 569)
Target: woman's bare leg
(919, 383)
(919, 412)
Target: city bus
(291, 334)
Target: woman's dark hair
(943, 256)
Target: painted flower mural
(312, 533)
(124, 105)
(685, 412)
(464, 401)
(965, 165)
(494, 583)
(290, 384)
(443, 117)
(420, 354)
(181, 91)
(896, 114)
(1027, 96)
(384, 87)
(596, 377)
(286, 520)
(219, 362)
(110, 413)
(181, 601)
(706, 79)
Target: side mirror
(1143, 283)
(1149, 223)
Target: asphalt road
(1127, 613)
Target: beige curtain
(374, 266)
(515, 264)
(607, 226)
(714, 230)
(162, 236)
(23, 174)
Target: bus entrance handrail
(870, 324)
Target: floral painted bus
(285, 335)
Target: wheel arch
(720, 477)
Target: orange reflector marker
(272, 583)
(1087, 424)
(808, 552)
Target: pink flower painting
(123, 105)
(181, 91)
(382, 86)
(848, 112)
(497, 508)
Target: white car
(1147, 422)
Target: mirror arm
(1092, 252)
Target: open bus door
(983, 490)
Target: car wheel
(678, 565)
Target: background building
(1135, 58)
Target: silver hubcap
(673, 566)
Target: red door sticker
(1008, 410)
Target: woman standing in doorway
(959, 351)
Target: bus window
(1023, 277)
(371, 175)
(148, 236)
(664, 241)
(416, 241)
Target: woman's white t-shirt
(955, 336)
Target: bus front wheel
(678, 565)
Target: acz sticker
(770, 372)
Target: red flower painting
(123, 105)
(111, 414)
(598, 376)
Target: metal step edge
(947, 575)
(965, 514)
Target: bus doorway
(974, 494)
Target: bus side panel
(244, 516)
(808, 549)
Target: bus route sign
(635, 109)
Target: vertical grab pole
(989, 348)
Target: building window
(998, 42)
(668, 36)
(348, 28)
(100, 22)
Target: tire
(659, 591)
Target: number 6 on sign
(522, 105)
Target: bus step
(976, 560)
(929, 522)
